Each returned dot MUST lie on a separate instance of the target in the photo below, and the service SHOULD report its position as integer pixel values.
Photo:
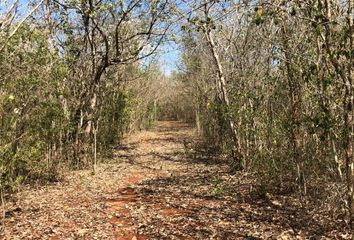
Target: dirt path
(152, 189)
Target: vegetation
(276, 78)
(268, 84)
(72, 81)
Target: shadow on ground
(201, 199)
(206, 206)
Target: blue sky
(169, 58)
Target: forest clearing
(176, 119)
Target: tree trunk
(197, 119)
(349, 119)
(348, 145)
(295, 101)
(221, 87)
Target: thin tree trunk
(197, 119)
(95, 148)
(295, 98)
(3, 207)
(221, 85)
(349, 120)
(53, 45)
(348, 145)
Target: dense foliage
(70, 87)
(271, 84)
